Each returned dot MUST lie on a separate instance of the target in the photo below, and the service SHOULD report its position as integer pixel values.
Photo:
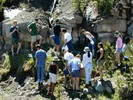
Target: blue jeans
(40, 73)
(92, 47)
(70, 46)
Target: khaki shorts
(52, 77)
(35, 38)
(100, 62)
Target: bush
(80, 5)
(104, 5)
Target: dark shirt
(15, 34)
(98, 55)
(57, 29)
(53, 68)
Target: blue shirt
(41, 56)
(74, 63)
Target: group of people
(73, 63)
(15, 35)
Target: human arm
(101, 54)
(29, 27)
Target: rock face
(104, 37)
(130, 30)
(67, 14)
(111, 25)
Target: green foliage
(104, 5)
(109, 58)
(80, 5)
(28, 65)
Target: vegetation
(80, 5)
(104, 6)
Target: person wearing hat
(40, 60)
(15, 31)
(32, 28)
(87, 62)
(118, 50)
(53, 70)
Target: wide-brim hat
(86, 49)
(116, 32)
(56, 59)
(38, 46)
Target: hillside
(18, 74)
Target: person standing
(57, 30)
(75, 63)
(32, 28)
(100, 59)
(40, 60)
(68, 40)
(118, 50)
(92, 39)
(87, 62)
(53, 70)
(15, 31)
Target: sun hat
(86, 49)
(116, 32)
(56, 59)
(38, 46)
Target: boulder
(110, 25)
(104, 37)
(67, 14)
(130, 30)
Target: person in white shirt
(67, 57)
(87, 62)
(126, 44)
(68, 40)
(92, 39)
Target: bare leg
(40, 40)
(31, 45)
(118, 58)
(19, 46)
(73, 85)
(57, 48)
(52, 90)
(100, 72)
(12, 49)
(77, 83)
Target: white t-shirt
(67, 36)
(87, 59)
(90, 38)
(68, 56)
(124, 47)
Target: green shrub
(104, 5)
(80, 5)
(109, 58)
